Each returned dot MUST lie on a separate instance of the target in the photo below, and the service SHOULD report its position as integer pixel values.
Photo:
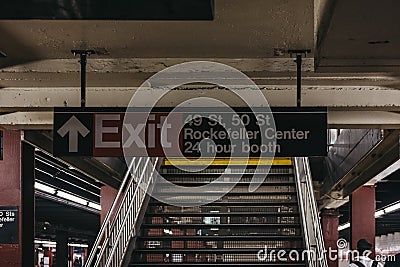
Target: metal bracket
(1, 145)
(299, 59)
(83, 60)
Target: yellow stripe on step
(226, 161)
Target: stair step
(222, 214)
(219, 192)
(210, 251)
(199, 175)
(234, 238)
(233, 225)
(224, 237)
(221, 264)
(217, 174)
(228, 203)
(264, 184)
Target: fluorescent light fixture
(45, 242)
(379, 213)
(65, 195)
(53, 244)
(45, 188)
(77, 245)
(94, 206)
(392, 208)
(388, 171)
(71, 197)
(343, 226)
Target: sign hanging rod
(299, 60)
(83, 60)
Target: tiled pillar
(363, 216)
(330, 223)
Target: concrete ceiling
(39, 71)
(360, 35)
(240, 29)
(347, 35)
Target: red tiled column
(107, 196)
(10, 192)
(330, 223)
(363, 216)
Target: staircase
(240, 229)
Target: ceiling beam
(337, 97)
(323, 12)
(363, 119)
(153, 65)
(30, 79)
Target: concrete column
(71, 255)
(91, 241)
(62, 249)
(28, 204)
(47, 253)
(10, 194)
(363, 216)
(107, 196)
(330, 223)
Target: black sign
(190, 132)
(9, 225)
(73, 134)
(282, 133)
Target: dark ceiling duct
(108, 9)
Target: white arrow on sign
(73, 126)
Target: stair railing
(120, 223)
(315, 249)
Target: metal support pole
(83, 79)
(299, 60)
(83, 60)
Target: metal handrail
(309, 214)
(120, 223)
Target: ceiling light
(392, 208)
(343, 226)
(94, 206)
(379, 213)
(45, 188)
(71, 197)
(388, 171)
(77, 245)
(45, 242)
